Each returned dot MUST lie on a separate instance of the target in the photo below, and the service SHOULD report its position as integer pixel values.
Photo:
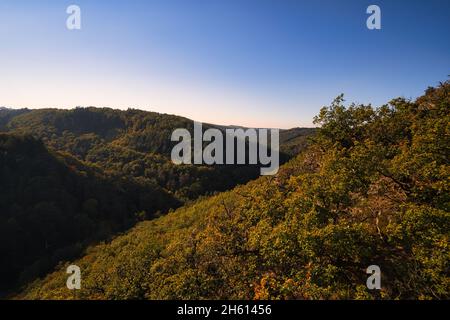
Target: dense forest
(70, 178)
(372, 188)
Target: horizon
(162, 113)
(251, 64)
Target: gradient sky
(245, 62)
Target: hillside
(70, 178)
(373, 189)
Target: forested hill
(69, 178)
(373, 189)
(135, 143)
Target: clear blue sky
(246, 62)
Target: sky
(257, 63)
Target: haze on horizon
(255, 63)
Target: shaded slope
(52, 206)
